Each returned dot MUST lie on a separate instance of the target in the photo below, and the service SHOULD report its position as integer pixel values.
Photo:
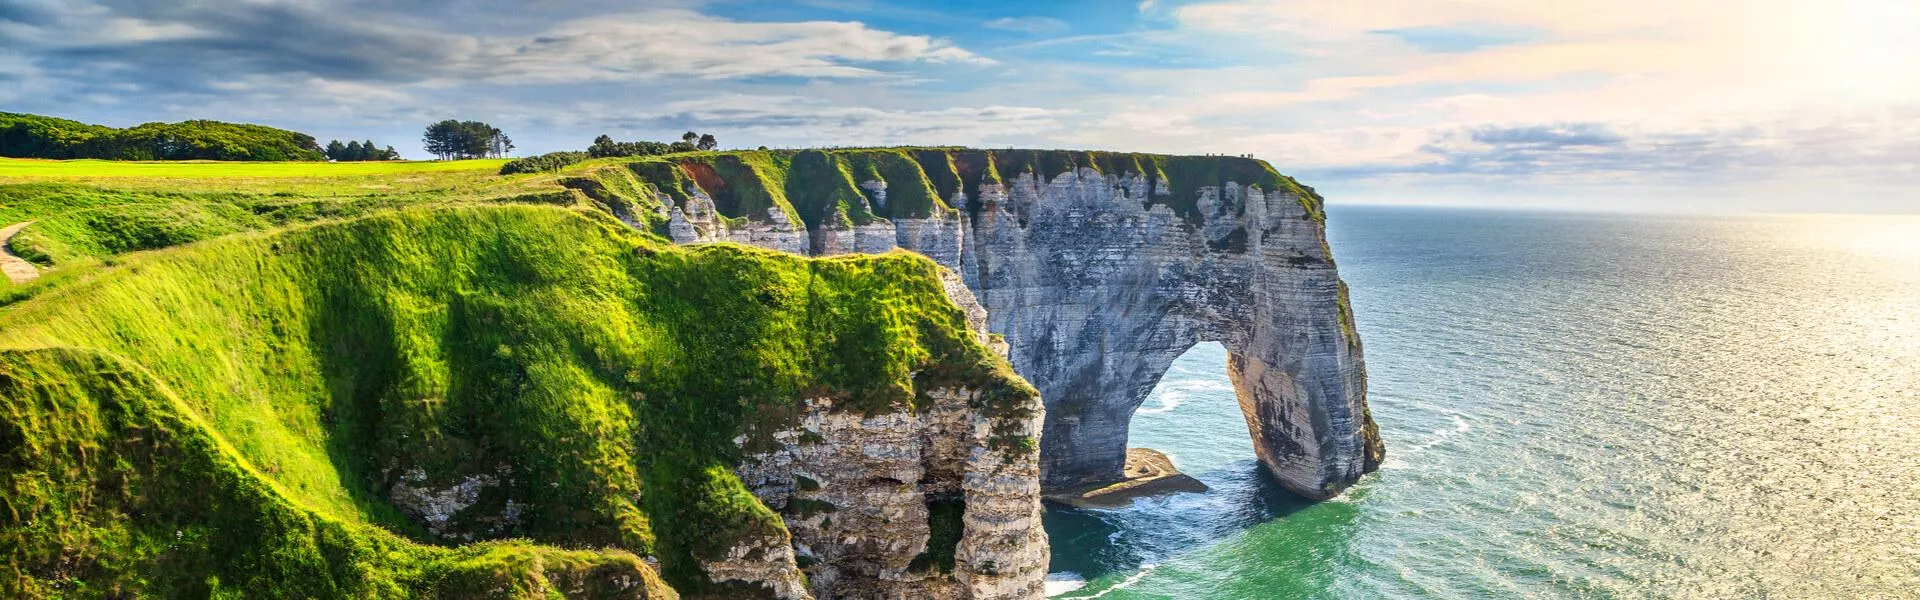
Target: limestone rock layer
(1096, 270)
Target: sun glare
(1871, 45)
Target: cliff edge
(1097, 269)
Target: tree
(466, 139)
(499, 142)
(354, 151)
(443, 139)
(707, 142)
(689, 137)
(336, 150)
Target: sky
(1663, 105)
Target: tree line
(605, 147)
(36, 136)
(356, 151)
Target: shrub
(551, 161)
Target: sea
(1575, 405)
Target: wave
(1124, 583)
(1064, 582)
(1174, 392)
(1397, 459)
(1164, 401)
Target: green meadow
(206, 169)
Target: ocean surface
(1575, 406)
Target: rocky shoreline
(1148, 473)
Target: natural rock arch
(1097, 289)
(1099, 275)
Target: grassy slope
(88, 210)
(112, 490)
(202, 169)
(314, 367)
(285, 380)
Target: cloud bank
(1440, 100)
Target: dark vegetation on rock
(821, 187)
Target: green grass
(112, 489)
(314, 366)
(227, 366)
(920, 180)
(820, 187)
(201, 169)
(91, 210)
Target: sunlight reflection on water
(1575, 406)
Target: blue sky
(1690, 105)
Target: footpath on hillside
(18, 269)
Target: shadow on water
(1099, 542)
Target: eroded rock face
(858, 494)
(699, 221)
(1097, 286)
(1098, 289)
(863, 495)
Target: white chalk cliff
(1095, 271)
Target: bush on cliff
(551, 161)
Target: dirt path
(18, 270)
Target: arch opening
(1192, 415)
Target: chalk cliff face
(1098, 290)
(1099, 270)
(942, 502)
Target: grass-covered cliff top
(231, 416)
(85, 211)
(819, 185)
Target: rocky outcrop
(1099, 269)
(1098, 285)
(910, 504)
(697, 220)
(930, 501)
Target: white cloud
(1030, 25)
(1695, 93)
(1482, 94)
(1788, 50)
(221, 39)
(812, 121)
(687, 43)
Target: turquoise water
(1575, 406)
